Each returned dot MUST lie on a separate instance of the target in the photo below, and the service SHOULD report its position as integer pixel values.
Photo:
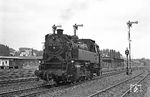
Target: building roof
(21, 57)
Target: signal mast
(75, 27)
(55, 28)
(129, 24)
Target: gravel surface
(122, 88)
(145, 88)
(90, 87)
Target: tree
(111, 53)
(4, 50)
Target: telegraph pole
(129, 24)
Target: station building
(19, 62)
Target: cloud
(25, 22)
(74, 8)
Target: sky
(24, 23)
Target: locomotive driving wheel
(49, 78)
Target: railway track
(105, 91)
(25, 79)
(130, 89)
(9, 80)
(15, 76)
(25, 92)
(43, 88)
(17, 80)
(8, 77)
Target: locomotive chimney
(59, 31)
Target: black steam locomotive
(69, 59)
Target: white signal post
(76, 28)
(55, 28)
(129, 24)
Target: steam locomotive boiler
(68, 59)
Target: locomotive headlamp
(54, 47)
(72, 61)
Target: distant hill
(23, 51)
